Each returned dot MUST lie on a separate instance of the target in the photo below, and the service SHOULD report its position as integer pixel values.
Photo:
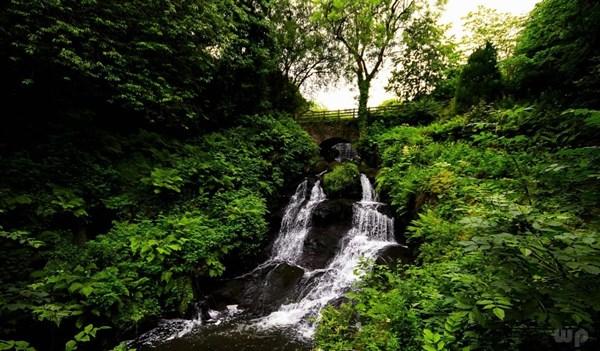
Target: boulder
(394, 254)
(261, 291)
(331, 220)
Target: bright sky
(344, 94)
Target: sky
(342, 94)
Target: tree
(480, 79)
(488, 25)
(367, 31)
(304, 49)
(427, 58)
(151, 59)
(159, 63)
(558, 53)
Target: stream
(276, 305)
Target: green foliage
(115, 231)
(558, 52)
(421, 111)
(379, 317)
(488, 25)
(344, 178)
(479, 80)
(15, 345)
(428, 58)
(166, 64)
(308, 54)
(366, 39)
(85, 335)
(502, 206)
(501, 202)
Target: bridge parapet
(321, 130)
(338, 125)
(341, 115)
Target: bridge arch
(322, 131)
(326, 147)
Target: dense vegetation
(145, 147)
(501, 198)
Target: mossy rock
(343, 181)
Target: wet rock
(261, 291)
(394, 254)
(331, 220)
(333, 212)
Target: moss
(342, 180)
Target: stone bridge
(328, 133)
(328, 128)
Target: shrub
(342, 181)
(480, 79)
(418, 112)
(502, 213)
(114, 229)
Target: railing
(340, 115)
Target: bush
(342, 181)
(556, 56)
(480, 79)
(115, 229)
(418, 112)
(502, 207)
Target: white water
(371, 231)
(345, 152)
(295, 224)
(368, 193)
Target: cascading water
(295, 224)
(368, 193)
(371, 231)
(345, 152)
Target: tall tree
(558, 53)
(488, 25)
(159, 63)
(367, 30)
(306, 53)
(426, 60)
(480, 79)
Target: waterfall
(371, 231)
(345, 152)
(368, 193)
(295, 224)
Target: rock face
(331, 220)
(265, 289)
(261, 291)
(394, 254)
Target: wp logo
(571, 336)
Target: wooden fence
(340, 115)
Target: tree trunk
(363, 97)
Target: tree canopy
(559, 51)
(426, 57)
(480, 78)
(488, 25)
(367, 31)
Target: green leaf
(499, 313)
(71, 345)
(87, 290)
(525, 251)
